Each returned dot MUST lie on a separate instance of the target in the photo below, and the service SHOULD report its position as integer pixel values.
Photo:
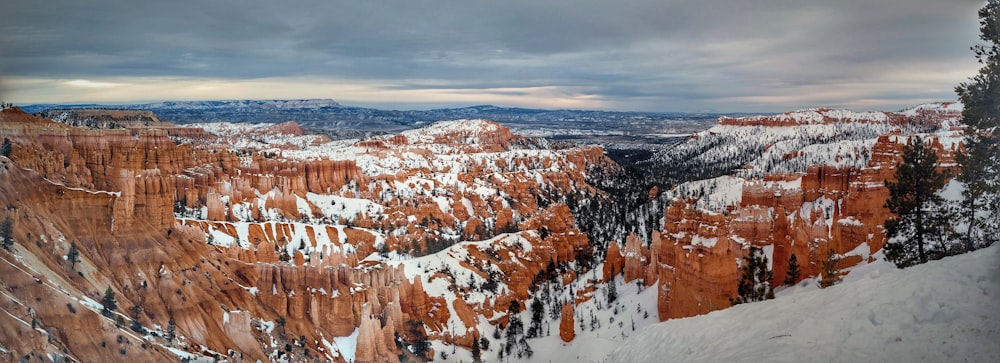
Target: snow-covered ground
(942, 311)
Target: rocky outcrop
(827, 207)
(567, 328)
(697, 270)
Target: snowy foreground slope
(943, 311)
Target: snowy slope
(752, 146)
(942, 311)
(599, 326)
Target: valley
(270, 242)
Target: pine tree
(755, 283)
(477, 354)
(7, 233)
(792, 276)
(981, 189)
(171, 331)
(5, 148)
(420, 343)
(136, 325)
(981, 95)
(537, 313)
(830, 275)
(979, 164)
(612, 291)
(921, 214)
(73, 256)
(109, 302)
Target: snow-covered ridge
(751, 148)
(789, 143)
(810, 117)
(953, 107)
(261, 136)
(825, 115)
(470, 129)
(942, 311)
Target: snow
(633, 305)
(347, 346)
(715, 194)
(337, 207)
(936, 106)
(942, 311)
(702, 241)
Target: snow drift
(942, 311)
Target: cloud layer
(664, 55)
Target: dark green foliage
(436, 244)
(792, 275)
(136, 325)
(7, 233)
(537, 313)
(109, 302)
(982, 186)
(755, 282)
(979, 164)
(418, 338)
(981, 95)
(477, 353)
(830, 275)
(515, 332)
(73, 256)
(171, 331)
(922, 217)
(612, 291)
(5, 148)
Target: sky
(647, 55)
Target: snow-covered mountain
(753, 146)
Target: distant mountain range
(330, 115)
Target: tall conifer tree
(979, 164)
(921, 217)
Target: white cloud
(91, 84)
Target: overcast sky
(650, 55)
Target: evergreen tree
(515, 330)
(792, 276)
(755, 283)
(612, 291)
(7, 233)
(979, 174)
(477, 353)
(73, 256)
(171, 331)
(981, 95)
(830, 275)
(5, 148)
(420, 343)
(921, 214)
(537, 313)
(979, 164)
(109, 302)
(136, 325)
